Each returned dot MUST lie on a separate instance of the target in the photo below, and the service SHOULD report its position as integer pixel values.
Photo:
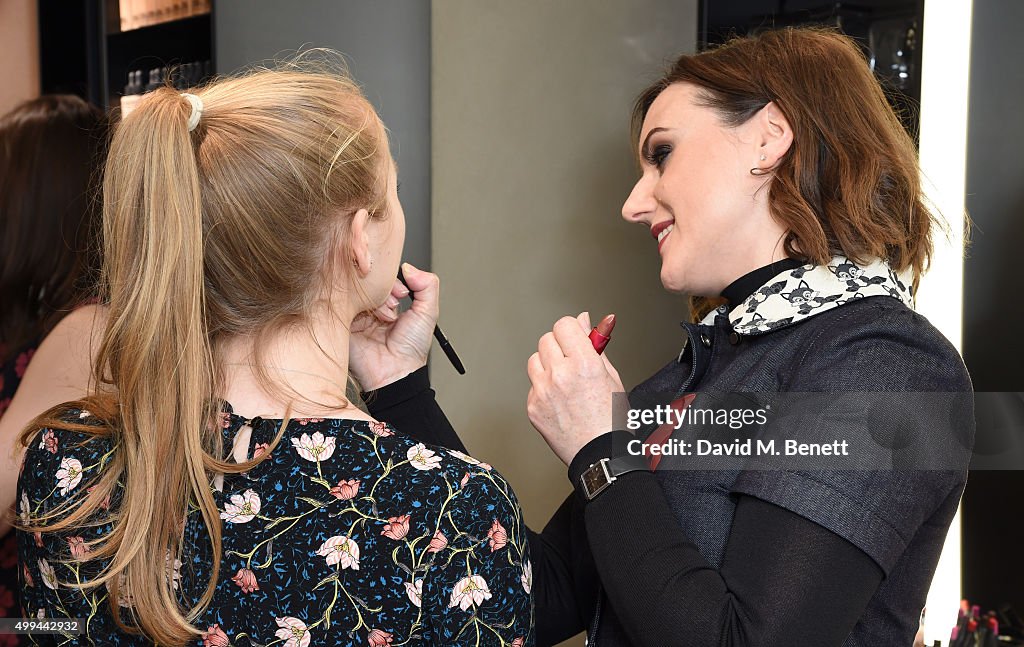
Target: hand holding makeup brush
(387, 345)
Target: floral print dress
(10, 604)
(349, 533)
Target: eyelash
(657, 156)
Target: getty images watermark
(667, 416)
(801, 431)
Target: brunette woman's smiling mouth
(661, 231)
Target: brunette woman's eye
(658, 155)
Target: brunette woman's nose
(640, 205)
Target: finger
(534, 368)
(549, 350)
(608, 366)
(386, 313)
(584, 319)
(398, 290)
(571, 339)
(426, 290)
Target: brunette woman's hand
(570, 401)
(386, 345)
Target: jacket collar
(808, 290)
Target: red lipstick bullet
(602, 333)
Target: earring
(763, 158)
(759, 171)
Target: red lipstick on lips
(602, 333)
(658, 228)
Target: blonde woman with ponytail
(219, 487)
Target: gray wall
(532, 161)
(387, 45)
(993, 279)
(520, 112)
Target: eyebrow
(645, 151)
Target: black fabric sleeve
(563, 605)
(565, 582)
(784, 580)
(409, 405)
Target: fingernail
(392, 301)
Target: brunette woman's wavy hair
(51, 154)
(228, 230)
(850, 183)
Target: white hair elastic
(197, 110)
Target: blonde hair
(208, 234)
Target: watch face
(594, 479)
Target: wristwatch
(600, 475)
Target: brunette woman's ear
(775, 136)
(360, 242)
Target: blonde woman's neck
(306, 368)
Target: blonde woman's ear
(361, 243)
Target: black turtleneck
(738, 291)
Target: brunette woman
(775, 177)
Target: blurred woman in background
(51, 151)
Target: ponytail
(156, 351)
(153, 238)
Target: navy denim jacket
(839, 328)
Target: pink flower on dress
(340, 550)
(415, 592)
(378, 638)
(469, 459)
(49, 576)
(259, 450)
(246, 580)
(437, 543)
(381, 429)
(518, 642)
(69, 475)
(306, 421)
(21, 364)
(215, 637)
(28, 575)
(79, 549)
(469, 591)
(345, 490)
(243, 508)
(293, 632)
(465, 479)
(225, 419)
(314, 448)
(422, 458)
(497, 535)
(38, 536)
(397, 527)
(49, 442)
